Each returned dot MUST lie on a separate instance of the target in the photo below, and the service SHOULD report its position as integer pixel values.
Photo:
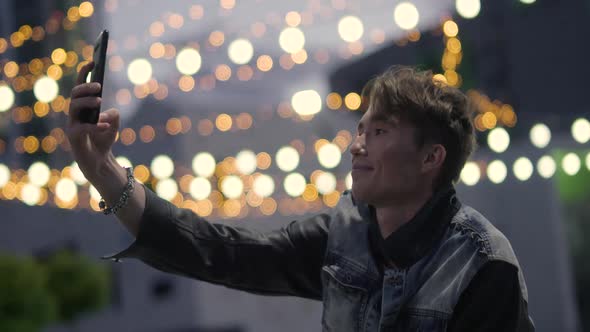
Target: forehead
(373, 115)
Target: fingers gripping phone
(97, 73)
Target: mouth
(361, 168)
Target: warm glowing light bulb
(540, 135)
(497, 171)
(498, 140)
(470, 174)
(292, 40)
(240, 51)
(204, 164)
(406, 15)
(6, 98)
(571, 163)
(306, 102)
(45, 89)
(167, 189)
(188, 61)
(329, 155)
(162, 167)
(546, 167)
(287, 158)
(522, 168)
(350, 28)
(468, 8)
(232, 186)
(139, 71)
(200, 188)
(263, 185)
(294, 184)
(39, 173)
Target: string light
(242, 74)
(406, 15)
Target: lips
(361, 167)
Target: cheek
(401, 163)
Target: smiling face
(387, 163)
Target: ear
(434, 157)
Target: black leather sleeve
(492, 302)
(287, 261)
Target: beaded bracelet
(122, 201)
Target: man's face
(386, 162)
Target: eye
(379, 131)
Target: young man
(398, 253)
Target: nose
(358, 145)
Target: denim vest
(358, 297)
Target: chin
(360, 193)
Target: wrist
(109, 176)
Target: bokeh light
(581, 130)
(352, 101)
(292, 40)
(45, 89)
(94, 194)
(124, 161)
(139, 71)
(540, 135)
(498, 140)
(167, 189)
(6, 98)
(294, 184)
(223, 122)
(406, 15)
(30, 194)
(287, 158)
(497, 171)
(468, 8)
(66, 189)
(325, 183)
(546, 167)
(470, 173)
(203, 164)
(246, 161)
(4, 175)
(306, 102)
(162, 167)
(200, 188)
(451, 29)
(571, 163)
(188, 61)
(263, 185)
(522, 168)
(348, 181)
(231, 186)
(39, 173)
(350, 28)
(240, 51)
(329, 155)
(86, 9)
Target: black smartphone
(97, 73)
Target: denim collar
(416, 238)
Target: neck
(391, 217)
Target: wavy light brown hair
(440, 113)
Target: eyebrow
(378, 117)
(381, 117)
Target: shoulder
(492, 245)
(489, 240)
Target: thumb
(110, 117)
